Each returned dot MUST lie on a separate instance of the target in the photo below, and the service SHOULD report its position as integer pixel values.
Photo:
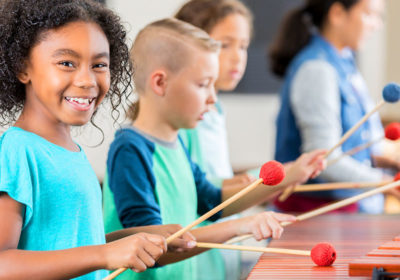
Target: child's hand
(308, 165)
(180, 244)
(264, 225)
(240, 179)
(138, 251)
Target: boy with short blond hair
(151, 176)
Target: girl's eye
(66, 63)
(101, 65)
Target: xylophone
(352, 235)
(386, 257)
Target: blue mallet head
(391, 93)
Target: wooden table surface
(352, 235)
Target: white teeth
(85, 101)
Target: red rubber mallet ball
(272, 173)
(392, 131)
(397, 177)
(323, 254)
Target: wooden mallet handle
(328, 208)
(338, 186)
(355, 127)
(253, 249)
(199, 220)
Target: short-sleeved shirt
(59, 191)
(154, 182)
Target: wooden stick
(230, 200)
(338, 186)
(354, 151)
(355, 127)
(115, 273)
(286, 193)
(328, 208)
(218, 208)
(253, 249)
(344, 202)
(332, 186)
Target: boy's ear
(23, 76)
(158, 82)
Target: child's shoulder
(129, 137)
(15, 137)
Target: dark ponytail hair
(296, 30)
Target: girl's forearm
(60, 264)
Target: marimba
(352, 235)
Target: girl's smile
(81, 103)
(74, 62)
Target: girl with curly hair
(58, 62)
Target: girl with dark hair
(324, 95)
(58, 61)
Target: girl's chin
(227, 86)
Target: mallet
(330, 207)
(271, 173)
(322, 254)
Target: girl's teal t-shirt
(59, 191)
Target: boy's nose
(212, 97)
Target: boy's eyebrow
(231, 38)
(61, 52)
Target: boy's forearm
(60, 264)
(118, 234)
(260, 194)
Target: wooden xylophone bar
(352, 236)
(387, 256)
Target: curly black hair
(22, 23)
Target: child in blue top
(58, 61)
(150, 173)
(231, 23)
(324, 95)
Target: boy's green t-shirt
(175, 190)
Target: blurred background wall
(251, 116)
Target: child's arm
(137, 252)
(386, 162)
(308, 165)
(240, 179)
(262, 226)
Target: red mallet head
(272, 173)
(397, 177)
(323, 254)
(392, 131)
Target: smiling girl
(57, 63)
